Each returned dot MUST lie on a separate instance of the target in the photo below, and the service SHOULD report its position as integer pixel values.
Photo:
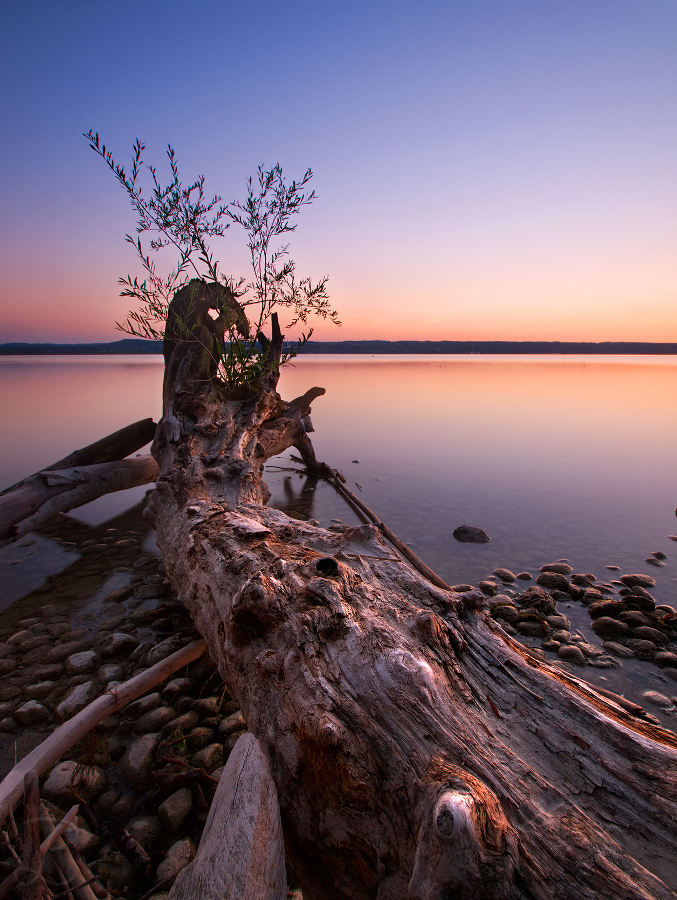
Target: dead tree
(418, 751)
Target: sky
(484, 170)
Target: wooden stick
(33, 887)
(59, 830)
(65, 861)
(62, 739)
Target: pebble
(156, 719)
(505, 575)
(571, 654)
(657, 699)
(177, 858)
(135, 765)
(82, 662)
(560, 568)
(76, 700)
(609, 628)
(618, 649)
(31, 712)
(553, 580)
(666, 659)
(471, 534)
(175, 809)
(88, 781)
(146, 830)
(209, 758)
(639, 580)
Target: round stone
(606, 627)
(553, 580)
(571, 654)
(505, 575)
(30, 713)
(657, 699)
(645, 581)
(646, 633)
(561, 568)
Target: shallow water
(555, 457)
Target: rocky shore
(145, 777)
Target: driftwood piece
(418, 751)
(37, 498)
(62, 739)
(32, 884)
(241, 852)
(64, 860)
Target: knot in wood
(256, 608)
(327, 566)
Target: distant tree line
(367, 348)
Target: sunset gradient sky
(486, 169)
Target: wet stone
(657, 699)
(571, 654)
(505, 575)
(558, 622)
(207, 706)
(110, 672)
(165, 649)
(583, 580)
(234, 722)
(609, 628)
(61, 652)
(33, 643)
(471, 534)
(560, 568)
(533, 629)
(119, 644)
(119, 595)
(553, 580)
(650, 634)
(605, 608)
(642, 649)
(638, 580)
(618, 649)
(665, 659)
(488, 587)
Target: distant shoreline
(133, 347)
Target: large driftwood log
(417, 750)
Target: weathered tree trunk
(418, 752)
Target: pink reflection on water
(50, 406)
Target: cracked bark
(418, 752)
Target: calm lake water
(555, 457)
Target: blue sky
(483, 170)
